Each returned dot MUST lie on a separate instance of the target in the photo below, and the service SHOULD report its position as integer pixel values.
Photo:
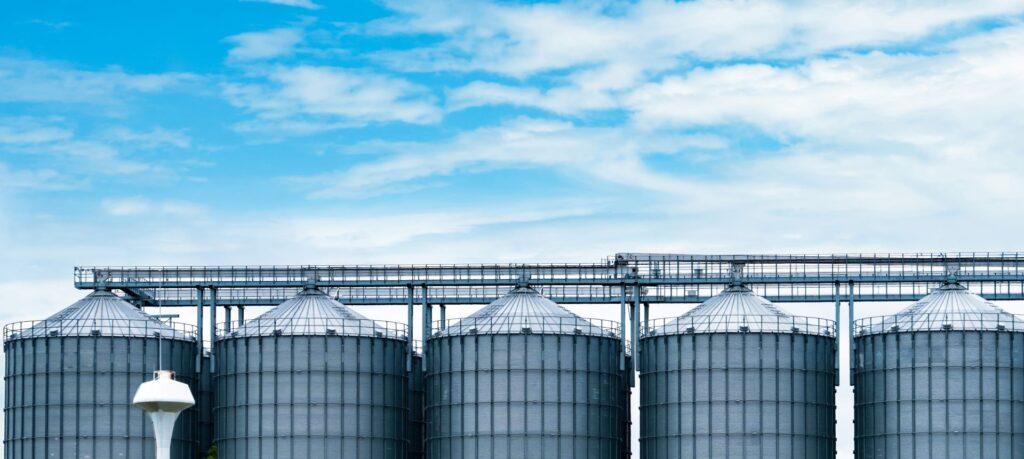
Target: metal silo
(736, 377)
(311, 378)
(943, 378)
(417, 424)
(524, 377)
(70, 380)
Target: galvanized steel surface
(417, 425)
(524, 310)
(310, 396)
(71, 396)
(100, 313)
(525, 395)
(939, 394)
(737, 395)
(949, 307)
(312, 312)
(738, 309)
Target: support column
(199, 329)
(411, 329)
(849, 333)
(835, 296)
(241, 316)
(622, 330)
(213, 327)
(227, 319)
(426, 327)
(647, 315)
(635, 334)
(443, 320)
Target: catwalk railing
(136, 328)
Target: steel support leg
(426, 327)
(411, 330)
(839, 336)
(622, 330)
(227, 319)
(647, 315)
(199, 329)
(849, 333)
(443, 320)
(241, 316)
(635, 334)
(213, 327)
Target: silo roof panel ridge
(101, 313)
(948, 307)
(739, 309)
(312, 312)
(520, 310)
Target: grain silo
(311, 378)
(524, 377)
(70, 380)
(943, 378)
(737, 377)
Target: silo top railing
(739, 324)
(132, 328)
(946, 321)
(313, 327)
(536, 325)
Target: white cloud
(134, 206)
(30, 80)
(264, 45)
(610, 154)
(28, 131)
(32, 179)
(157, 137)
(307, 4)
(333, 96)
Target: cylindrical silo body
(524, 378)
(70, 380)
(941, 379)
(311, 378)
(738, 378)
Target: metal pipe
(412, 328)
(837, 325)
(213, 327)
(199, 329)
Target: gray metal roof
(313, 312)
(524, 310)
(739, 309)
(101, 313)
(948, 307)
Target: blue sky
(304, 131)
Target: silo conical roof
(312, 312)
(101, 313)
(739, 309)
(522, 310)
(950, 306)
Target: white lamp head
(163, 398)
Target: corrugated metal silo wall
(524, 395)
(737, 395)
(627, 411)
(70, 397)
(310, 396)
(939, 394)
(417, 423)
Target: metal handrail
(739, 323)
(538, 325)
(944, 321)
(313, 327)
(143, 328)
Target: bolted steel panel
(939, 394)
(310, 396)
(70, 396)
(514, 395)
(737, 395)
(417, 422)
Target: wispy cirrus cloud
(42, 81)
(306, 4)
(324, 97)
(265, 44)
